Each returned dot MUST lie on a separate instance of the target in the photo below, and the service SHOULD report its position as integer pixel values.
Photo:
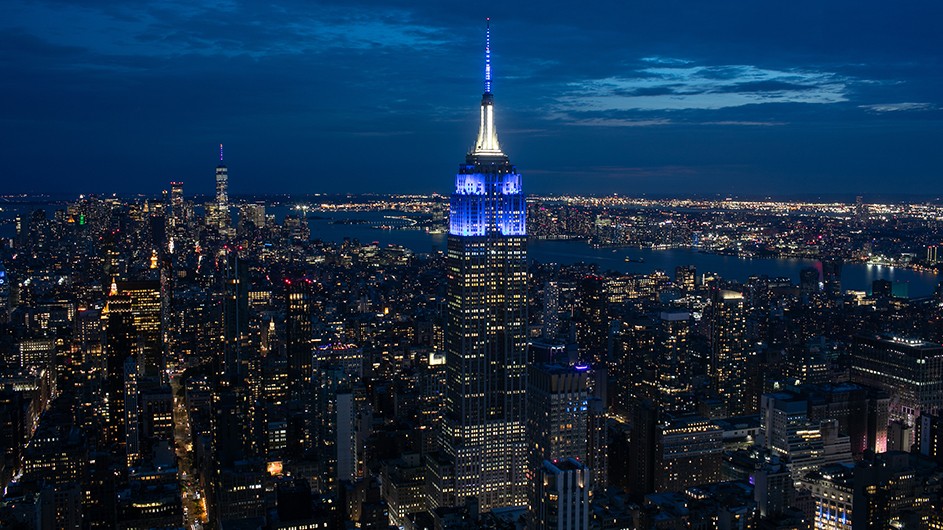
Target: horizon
(802, 198)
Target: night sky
(629, 97)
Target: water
(856, 276)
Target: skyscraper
(146, 310)
(729, 353)
(908, 369)
(483, 433)
(176, 204)
(222, 193)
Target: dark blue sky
(350, 96)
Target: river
(857, 276)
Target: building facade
(483, 432)
(910, 371)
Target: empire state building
(483, 445)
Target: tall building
(298, 312)
(805, 444)
(885, 490)
(557, 413)
(592, 326)
(551, 325)
(562, 500)
(909, 370)
(686, 277)
(831, 276)
(176, 205)
(729, 353)
(146, 310)
(119, 346)
(235, 310)
(222, 193)
(483, 432)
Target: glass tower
(483, 434)
(222, 192)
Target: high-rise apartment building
(483, 433)
(729, 351)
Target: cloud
(898, 107)
(616, 122)
(745, 123)
(672, 87)
(172, 28)
(666, 60)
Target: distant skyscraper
(235, 310)
(551, 325)
(146, 310)
(861, 210)
(119, 346)
(176, 202)
(298, 311)
(593, 322)
(686, 277)
(222, 192)
(831, 277)
(729, 351)
(809, 281)
(483, 436)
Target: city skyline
(799, 99)
(485, 361)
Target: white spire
(487, 143)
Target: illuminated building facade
(557, 412)
(729, 353)
(688, 452)
(483, 434)
(832, 491)
(146, 310)
(562, 500)
(119, 346)
(176, 204)
(298, 309)
(686, 277)
(910, 371)
(222, 193)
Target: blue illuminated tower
(483, 436)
